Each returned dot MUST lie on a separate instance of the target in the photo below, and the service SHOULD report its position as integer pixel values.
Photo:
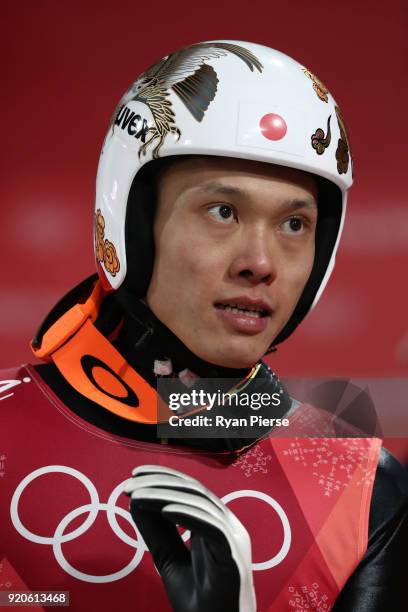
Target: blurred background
(66, 64)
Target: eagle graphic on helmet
(194, 82)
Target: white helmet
(226, 98)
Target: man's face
(234, 246)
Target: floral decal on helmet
(318, 86)
(105, 252)
(186, 73)
(320, 141)
(343, 151)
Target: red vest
(65, 525)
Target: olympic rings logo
(112, 510)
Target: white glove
(215, 575)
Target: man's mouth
(244, 314)
(237, 308)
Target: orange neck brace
(92, 366)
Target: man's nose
(256, 258)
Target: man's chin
(241, 364)
(234, 357)
(227, 350)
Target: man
(220, 200)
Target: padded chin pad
(327, 229)
(139, 234)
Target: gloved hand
(215, 575)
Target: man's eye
(294, 225)
(223, 213)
